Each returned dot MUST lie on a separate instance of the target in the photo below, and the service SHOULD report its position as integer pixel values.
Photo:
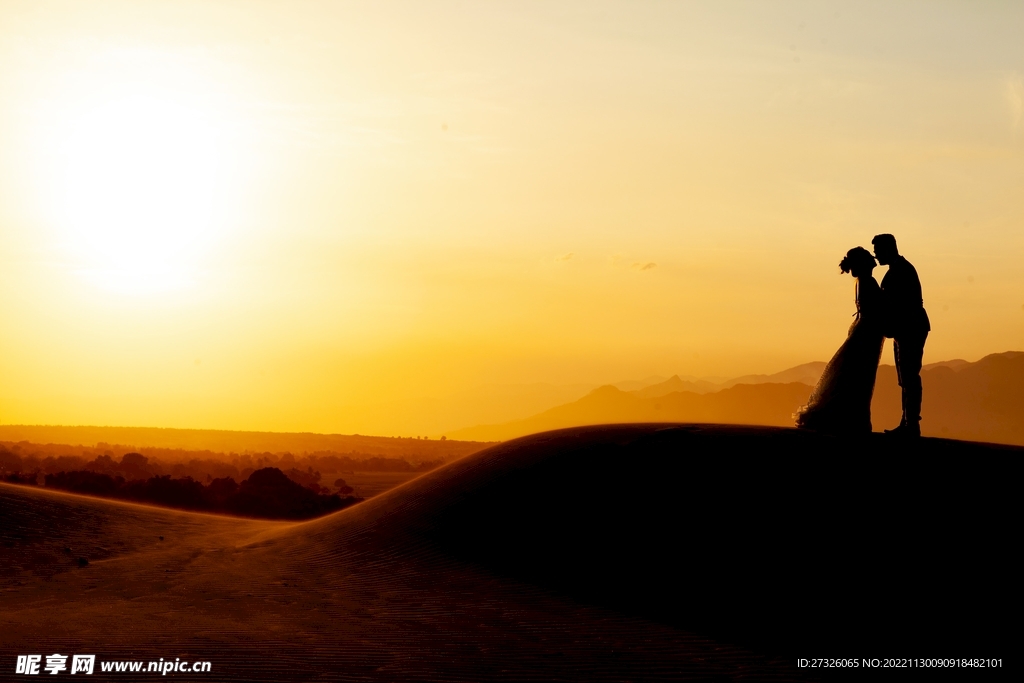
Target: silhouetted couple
(841, 401)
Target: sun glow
(135, 179)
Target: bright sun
(135, 180)
(139, 185)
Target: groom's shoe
(905, 431)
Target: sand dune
(631, 552)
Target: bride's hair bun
(858, 257)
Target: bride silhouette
(841, 401)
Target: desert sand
(629, 552)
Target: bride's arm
(870, 297)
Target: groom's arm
(904, 301)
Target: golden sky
(290, 215)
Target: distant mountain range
(981, 401)
(218, 441)
(808, 374)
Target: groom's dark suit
(907, 323)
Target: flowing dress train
(841, 400)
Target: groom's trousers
(908, 350)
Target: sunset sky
(295, 215)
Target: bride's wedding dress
(841, 400)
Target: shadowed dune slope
(629, 552)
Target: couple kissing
(841, 401)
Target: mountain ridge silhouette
(979, 401)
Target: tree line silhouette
(267, 492)
(204, 466)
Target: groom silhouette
(906, 321)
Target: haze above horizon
(299, 216)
